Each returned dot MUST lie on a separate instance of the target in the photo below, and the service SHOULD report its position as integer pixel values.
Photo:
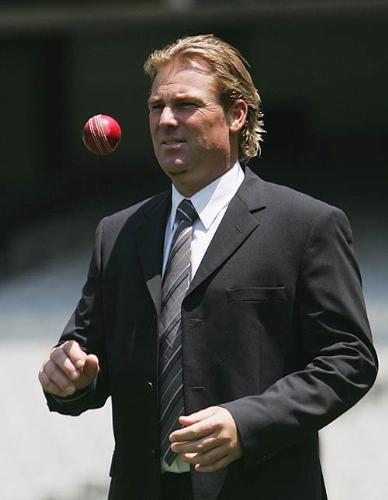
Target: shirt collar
(210, 200)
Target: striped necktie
(175, 284)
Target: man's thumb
(91, 366)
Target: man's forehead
(182, 78)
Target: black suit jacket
(274, 329)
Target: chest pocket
(257, 294)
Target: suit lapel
(150, 240)
(240, 220)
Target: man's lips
(174, 141)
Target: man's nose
(167, 117)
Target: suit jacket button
(150, 385)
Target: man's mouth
(172, 141)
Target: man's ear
(237, 115)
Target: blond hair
(233, 81)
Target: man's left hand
(209, 439)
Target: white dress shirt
(211, 204)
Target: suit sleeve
(86, 326)
(341, 362)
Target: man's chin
(176, 168)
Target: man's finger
(208, 458)
(193, 432)
(198, 416)
(60, 358)
(196, 425)
(49, 385)
(57, 376)
(220, 464)
(198, 446)
(75, 353)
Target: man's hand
(209, 439)
(69, 369)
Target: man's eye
(155, 107)
(187, 105)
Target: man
(225, 317)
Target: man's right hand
(69, 369)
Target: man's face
(190, 131)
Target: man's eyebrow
(178, 97)
(153, 99)
(185, 95)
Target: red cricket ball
(101, 134)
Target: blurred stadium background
(321, 67)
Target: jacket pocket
(258, 294)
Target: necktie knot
(186, 212)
